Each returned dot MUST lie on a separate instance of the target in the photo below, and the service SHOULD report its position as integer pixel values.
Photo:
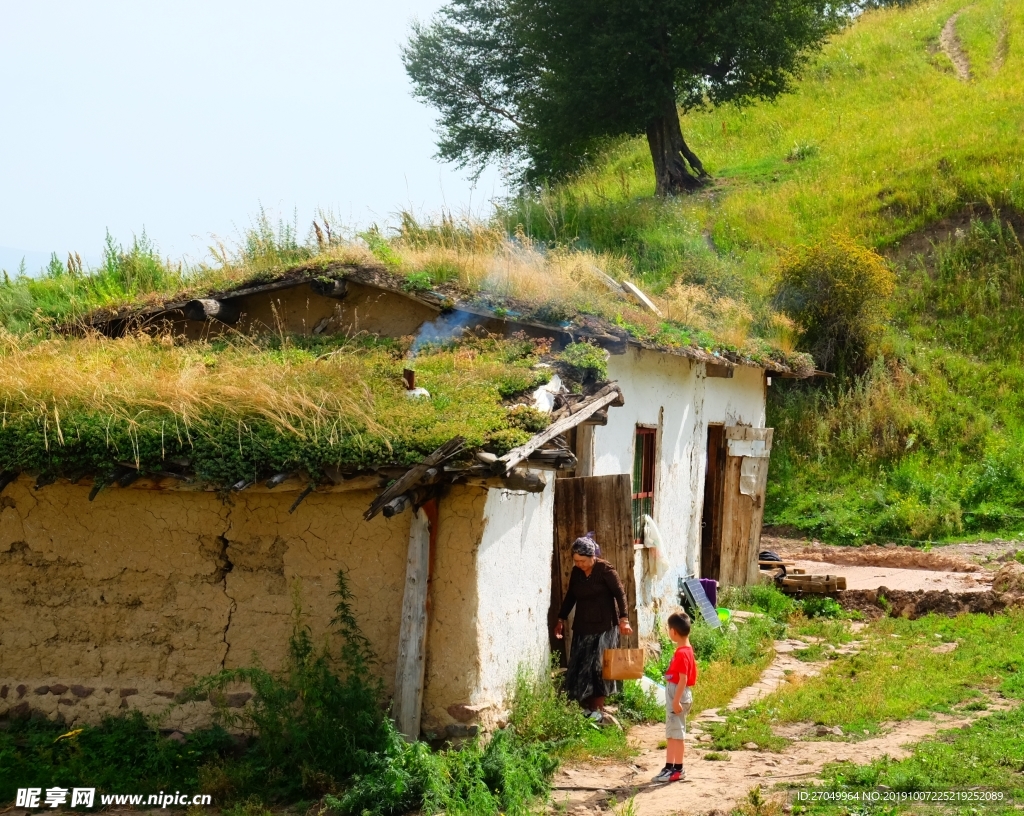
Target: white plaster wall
(514, 587)
(674, 395)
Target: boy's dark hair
(679, 623)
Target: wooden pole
(412, 635)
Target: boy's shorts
(675, 724)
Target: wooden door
(745, 478)
(711, 515)
(602, 504)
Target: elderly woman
(600, 601)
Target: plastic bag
(655, 549)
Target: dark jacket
(600, 599)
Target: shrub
(837, 293)
(821, 606)
(765, 598)
(322, 721)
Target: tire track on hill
(953, 48)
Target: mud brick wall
(122, 602)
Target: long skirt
(583, 677)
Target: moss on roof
(241, 410)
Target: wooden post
(412, 635)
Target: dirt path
(907, 580)
(952, 48)
(723, 785)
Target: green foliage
(529, 82)
(987, 755)
(837, 292)
(64, 292)
(321, 721)
(265, 250)
(319, 728)
(741, 645)
(122, 754)
(542, 713)
(320, 402)
(638, 706)
(585, 362)
(821, 606)
(418, 281)
(382, 250)
(898, 675)
(970, 292)
(764, 598)
(922, 446)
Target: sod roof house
(177, 479)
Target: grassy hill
(882, 141)
(886, 141)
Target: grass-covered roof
(235, 411)
(469, 264)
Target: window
(643, 479)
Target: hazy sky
(183, 117)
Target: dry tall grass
(128, 378)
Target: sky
(184, 118)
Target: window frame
(645, 457)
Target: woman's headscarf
(586, 546)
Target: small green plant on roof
(585, 362)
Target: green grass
(81, 406)
(879, 141)
(896, 676)
(923, 447)
(988, 755)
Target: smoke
(441, 329)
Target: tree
(543, 83)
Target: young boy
(680, 676)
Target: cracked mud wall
(122, 602)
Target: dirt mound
(870, 555)
(897, 603)
(1010, 578)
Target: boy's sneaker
(664, 775)
(677, 776)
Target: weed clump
(585, 363)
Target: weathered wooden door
(746, 475)
(711, 515)
(602, 504)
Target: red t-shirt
(683, 664)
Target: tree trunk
(671, 155)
